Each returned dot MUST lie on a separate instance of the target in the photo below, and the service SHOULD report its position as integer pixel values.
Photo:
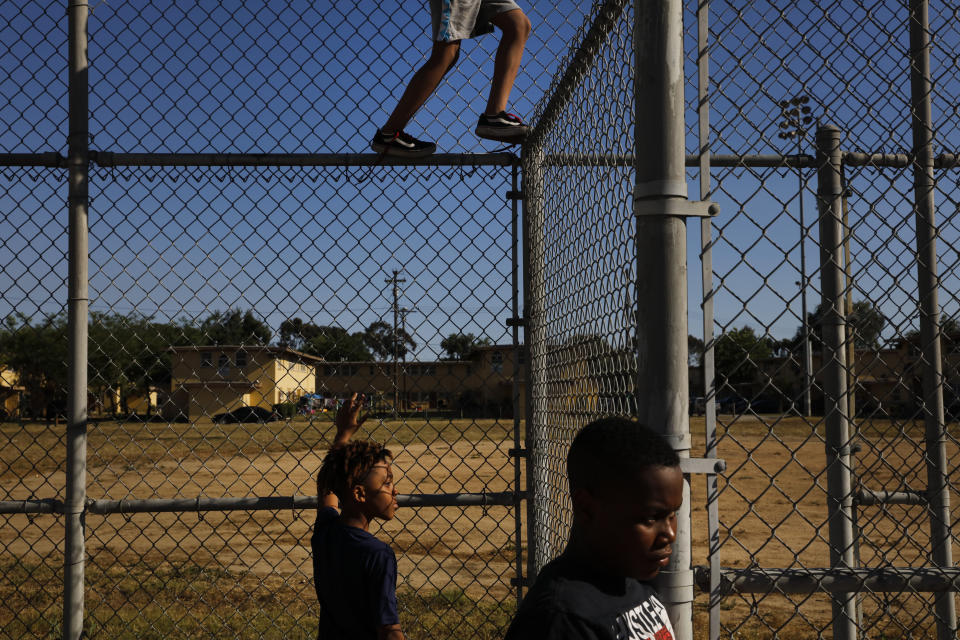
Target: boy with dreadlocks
(354, 573)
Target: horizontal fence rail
(807, 581)
(267, 503)
(720, 160)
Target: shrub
(286, 409)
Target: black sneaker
(401, 144)
(503, 127)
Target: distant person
(453, 21)
(354, 573)
(626, 487)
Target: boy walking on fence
(453, 21)
(355, 574)
(626, 487)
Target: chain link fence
(244, 252)
(249, 263)
(821, 361)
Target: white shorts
(461, 19)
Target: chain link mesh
(180, 255)
(582, 261)
(218, 288)
(32, 243)
(852, 62)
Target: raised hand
(348, 418)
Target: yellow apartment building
(206, 381)
(11, 392)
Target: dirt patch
(772, 500)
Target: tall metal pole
(403, 356)
(77, 311)
(935, 429)
(395, 281)
(807, 350)
(534, 346)
(706, 278)
(661, 245)
(796, 117)
(836, 417)
(515, 198)
(848, 301)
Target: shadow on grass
(196, 602)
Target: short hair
(346, 465)
(611, 449)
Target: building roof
(284, 352)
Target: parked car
(247, 414)
(732, 404)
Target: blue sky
(318, 77)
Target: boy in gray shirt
(453, 21)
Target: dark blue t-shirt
(356, 579)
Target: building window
(241, 358)
(205, 360)
(223, 365)
(496, 361)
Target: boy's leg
(495, 123)
(423, 83)
(391, 140)
(516, 29)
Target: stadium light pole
(796, 117)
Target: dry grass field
(248, 573)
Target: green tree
(385, 343)
(694, 351)
(335, 344)
(234, 327)
(462, 346)
(295, 333)
(328, 342)
(949, 336)
(737, 356)
(865, 319)
(131, 353)
(38, 353)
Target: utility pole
(851, 344)
(395, 281)
(403, 356)
(796, 116)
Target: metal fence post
(834, 359)
(661, 329)
(515, 322)
(533, 288)
(708, 360)
(928, 282)
(76, 463)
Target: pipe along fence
(488, 302)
